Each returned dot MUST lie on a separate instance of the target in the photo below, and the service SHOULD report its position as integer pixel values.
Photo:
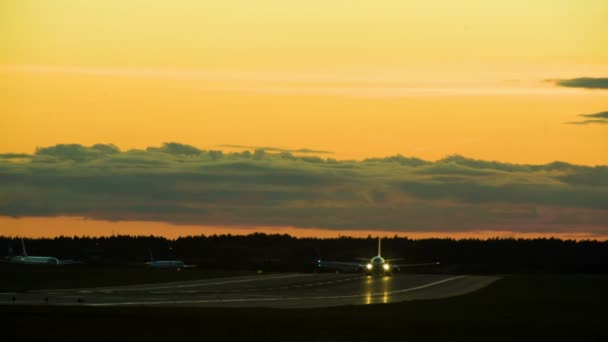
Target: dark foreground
(543, 307)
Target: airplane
(36, 260)
(376, 266)
(166, 264)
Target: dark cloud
(176, 149)
(399, 159)
(185, 185)
(584, 82)
(106, 148)
(14, 155)
(597, 118)
(74, 152)
(277, 149)
(588, 122)
(600, 115)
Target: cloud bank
(182, 184)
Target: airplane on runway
(166, 264)
(374, 266)
(35, 260)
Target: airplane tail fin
(23, 250)
(379, 246)
(317, 255)
(11, 252)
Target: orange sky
(420, 78)
(362, 79)
(500, 122)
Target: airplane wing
(414, 265)
(340, 265)
(59, 263)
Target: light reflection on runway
(380, 285)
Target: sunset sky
(517, 82)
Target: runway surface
(289, 290)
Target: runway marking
(274, 299)
(199, 284)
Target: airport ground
(35, 277)
(514, 307)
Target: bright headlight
(385, 266)
(369, 266)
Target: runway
(290, 290)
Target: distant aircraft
(166, 264)
(374, 266)
(36, 260)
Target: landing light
(385, 266)
(369, 266)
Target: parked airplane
(374, 266)
(36, 260)
(166, 264)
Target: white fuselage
(35, 260)
(377, 266)
(172, 264)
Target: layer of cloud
(597, 118)
(182, 184)
(584, 82)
